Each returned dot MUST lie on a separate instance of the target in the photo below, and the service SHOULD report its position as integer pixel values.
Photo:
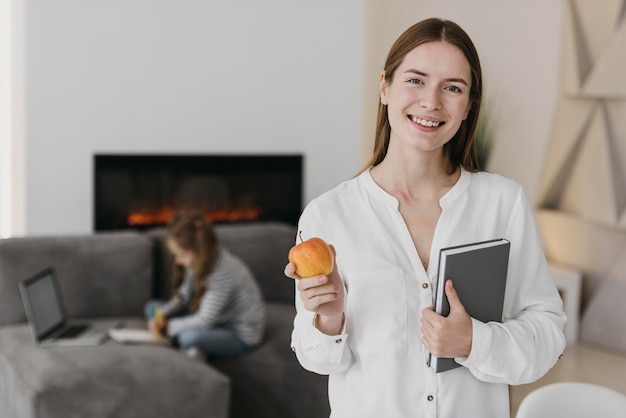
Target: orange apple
(312, 257)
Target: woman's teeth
(427, 123)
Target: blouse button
(425, 285)
(430, 398)
(338, 341)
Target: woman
(369, 324)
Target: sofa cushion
(107, 274)
(111, 380)
(271, 380)
(259, 245)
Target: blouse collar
(457, 189)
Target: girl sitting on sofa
(217, 309)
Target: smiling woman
(369, 323)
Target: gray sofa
(112, 275)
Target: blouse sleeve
(531, 337)
(316, 351)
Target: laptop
(46, 315)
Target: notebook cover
(478, 271)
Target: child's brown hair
(192, 232)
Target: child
(217, 308)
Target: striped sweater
(232, 298)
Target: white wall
(185, 76)
(519, 44)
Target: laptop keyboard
(72, 331)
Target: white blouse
(377, 366)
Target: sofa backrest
(263, 246)
(116, 273)
(104, 274)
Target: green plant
(484, 137)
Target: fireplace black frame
(274, 181)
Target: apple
(312, 257)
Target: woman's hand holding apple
(322, 293)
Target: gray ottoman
(111, 380)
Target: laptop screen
(42, 300)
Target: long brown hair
(460, 150)
(192, 232)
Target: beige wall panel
(598, 21)
(608, 76)
(608, 329)
(572, 242)
(589, 191)
(573, 117)
(576, 56)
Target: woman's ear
(383, 88)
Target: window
(6, 219)
(11, 118)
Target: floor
(583, 362)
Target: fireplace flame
(163, 215)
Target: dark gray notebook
(478, 272)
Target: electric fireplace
(143, 191)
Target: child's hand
(158, 325)
(159, 319)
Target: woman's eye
(454, 89)
(415, 81)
